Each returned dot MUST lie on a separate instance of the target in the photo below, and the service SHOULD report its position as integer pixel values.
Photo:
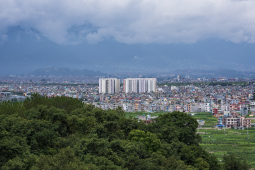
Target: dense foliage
(61, 133)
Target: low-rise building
(236, 121)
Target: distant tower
(109, 85)
(139, 85)
(178, 77)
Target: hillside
(62, 133)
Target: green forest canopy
(62, 133)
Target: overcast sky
(132, 21)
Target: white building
(252, 107)
(109, 85)
(178, 77)
(207, 107)
(139, 85)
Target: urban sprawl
(229, 100)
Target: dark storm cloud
(132, 21)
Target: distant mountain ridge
(27, 50)
(60, 71)
(214, 73)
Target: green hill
(62, 133)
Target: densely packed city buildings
(229, 103)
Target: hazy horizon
(127, 36)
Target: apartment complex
(109, 85)
(139, 85)
(236, 121)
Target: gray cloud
(132, 21)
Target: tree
(12, 147)
(67, 103)
(231, 162)
(172, 164)
(26, 161)
(62, 133)
(199, 158)
(150, 140)
(185, 126)
(64, 160)
(40, 135)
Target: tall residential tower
(109, 85)
(139, 85)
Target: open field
(210, 120)
(231, 141)
(228, 141)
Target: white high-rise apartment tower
(109, 85)
(139, 85)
